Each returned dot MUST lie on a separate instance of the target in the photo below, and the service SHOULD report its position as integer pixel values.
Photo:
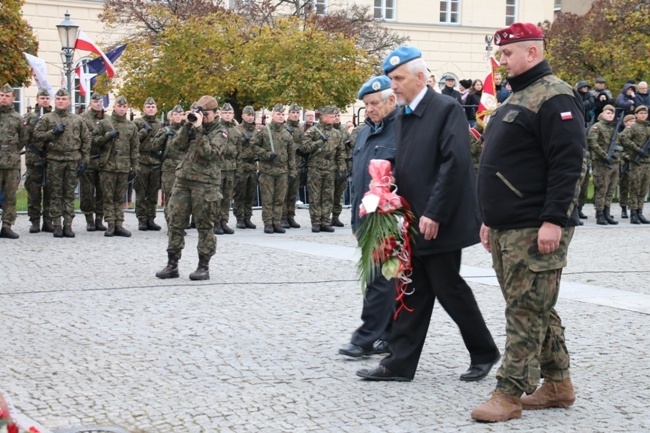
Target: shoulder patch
(566, 115)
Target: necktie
(408, 110)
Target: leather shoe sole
(381, 373)
(478, 371)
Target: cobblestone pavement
(91, 337)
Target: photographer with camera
(246, 172)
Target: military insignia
(376, 85)
(566, 115)
(510, 116)
(497, 39)
(394, 60)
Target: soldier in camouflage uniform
(341, 181)
(246, 173)
(13, 137)
(624, 178)
(273, 146)
(633, 140)
(91, 197)
(68, 145)
(197, 187)
(37, 193)
(172, 155)
(326, 161)
(528, 182)
(297, 133)
(230, 156)
(116, 140)
(147, 181)
(605, 169)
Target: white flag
(39, 72)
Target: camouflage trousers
(339, 189)
(639, 184)
(289, 208)
(244, 194)
(273, 188)
(38, 196)
(605, 182)
(320, 186)
(91, 196)
(227, 191)
(199, 200)
(584, 188)
(9, 180)
(623, 188)
(146, 186)
(61, 183)
(530, 283)
(167, 179)
(113, 186)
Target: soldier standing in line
(230, 155)
(147, 181)
(13, 137)
(116, 138)
(634, 139)
(273, 146)
(68, 144)
(171, 156)
(341, 182)
(326, 161)
(297, 133)
(624, 178)
(91, 200)
(246, 173)
(605, 168)
(37, 193)
(197, 187)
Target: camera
(191, 116)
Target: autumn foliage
(15, 37)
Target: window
(385, 10)
(511, 11)
(449, 11)
(557, 6)
(320, 7)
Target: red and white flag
(489, 96)
(84, 43)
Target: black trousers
(437, 276)
(377, 313)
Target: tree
(612, 40)
(16, 36)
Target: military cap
(177, 109)
(62, 92)
(600, 80)
(278, 108)
(374, 85)
(121, 100)
(336, 110)
(43, 92)
(194, 106)
(207, 102)
(609, 107)
(518, 32)
(248, 110)
(7, 89)
(96, 96)
(149, 101)
(628, 118)
(294, 107)
(582, 83)
(399, 56)
(327, 109)
(641, 108)
(227, 107)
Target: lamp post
(68, 36)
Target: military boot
(121, 231)
(500, 407)
(550, 394)
(581, 214)
(47, 227)
(90, 223)
(217, 229)
(292, 223)
(227, 230)
(151, 225)
(142, 225)
(285, 224)
(6, 232)
(634, 217)
(58, 231)
(268, 228)
(203, 270)
(67, 231)
(600, 218)
(249, 223)
(35, 227)
(240, 224)
(327, 229)
(315, 228)
(624, 212)
(171, 270)
(642, 219)
(336, 222)
(98, 223)
(277, 228)
(110, 231)
(608, 217)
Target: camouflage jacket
(72, 145)
(150, 151)
(34, 151)
(282, 145)
(246, 160)
(348, 144)
(171, 155)
(201, 161)
(297, 133)
(92, 118)
(633, 138)
(13, 137)
(598, 138)
(117, 155)
(230, 152)
(325, 148)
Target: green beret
(7, 89)
(62, 92)
(149, 101)
(278, 108)
(294, 107)
(227, 107)
(121, 100)
(327, 109)
(248, 110)
(43, 92)
(177, 109)
(641, 108)
(96, 96)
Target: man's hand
(548, 237)
(428, 228)
(272, 156)
(113, 133)
(485, 237)
(147, 127)
(58, 129)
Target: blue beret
(399, 56)
(373, 85)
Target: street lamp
(68, 37)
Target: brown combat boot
(171, 270)
(6, 232)
(285, 224)
(67, 231)
(35, 228)
(268, 228)
(217, 229)
(550, 394)
(292, 223)
(500, 407)
(90, 223)
(110, 231)
(47, 226)
(203, 270)
(240, 224)
(58, 231)
(227, 230)
(315, 228)
(277, 228)
(121, 231)
(336, 222)
(151, 225)
(327, 229)
(98, 223)
(249, 223)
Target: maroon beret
(518, 32)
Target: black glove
(340, 175)
(324, 138)
(169, 132)
(272, 156)
(614, 157)
(608, 161)
(147, 127)
(131, 176)
(643, 153)
(58, 129)
(291, 178)
(81, 168)
(113, 134)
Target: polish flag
(488, 98)
(84, 43)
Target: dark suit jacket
(433, 172)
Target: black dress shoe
(354, 351)
(380, 347)
(381, 373)
(478, 371)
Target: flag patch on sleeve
(566, 115)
